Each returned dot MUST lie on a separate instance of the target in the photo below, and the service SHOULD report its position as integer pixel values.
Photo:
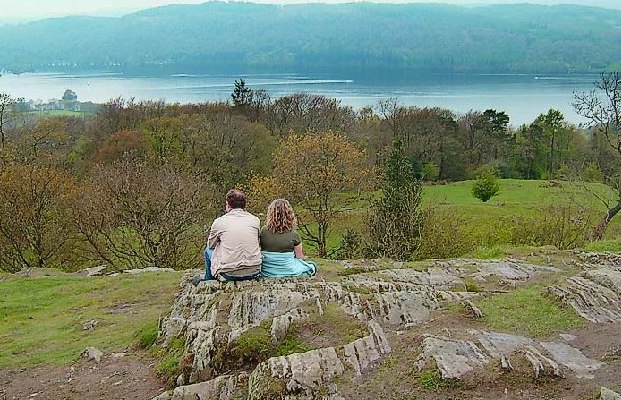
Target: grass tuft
(147, 336)
(528, 311)
(430, 379)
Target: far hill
(519, 38)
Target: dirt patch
(128, 376)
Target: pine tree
(396, 218)
(242, 95)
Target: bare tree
(5, 104)
(602, 109)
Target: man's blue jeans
(208, 254)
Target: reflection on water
(523, 97)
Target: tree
(300, 112)
(70, 96)
(242, 95)
(323, 172)
(5, 103)
(552, 131)
(395, 222)
(35, 227)
(130, 215)
(486, 186)
(602, 109)
(484, 136)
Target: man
(233, 251)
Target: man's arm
(214, 235)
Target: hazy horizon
(24, 10)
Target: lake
(522, 97)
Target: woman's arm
(297, 249)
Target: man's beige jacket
(234, 238)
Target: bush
(147, 336)
(486, 186)
(430, 172)
(443, 236)
(564, 227)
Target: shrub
(430, 172)
(486, 186)
(350, 246)
(147, 336)
(564, 227)
(443, 236)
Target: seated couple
(239, 249)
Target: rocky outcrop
(224, 387)
(595, 295)
(454, 358)
(607, 394)
(219, 321)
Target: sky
(37, 9)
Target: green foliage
(486, 186)
(528, 311)
(563, 226)
(396, 219)
(292, 345)
(471, 285)
(242, 95)
(430, 379)
(443, 236)
(488, 253)
(170, 357)
(147, 336)
(350, 246)
(604, 245)
(592, 173)
(254, 345)
(430, 172)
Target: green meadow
(42, 317)
(492, 224)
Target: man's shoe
(196, 279)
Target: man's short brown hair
(236, 199)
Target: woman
(281, 245)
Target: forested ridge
(423, 37)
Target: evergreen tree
(396, 218)
(242, 95)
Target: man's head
(235, 199)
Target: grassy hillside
(42, 317)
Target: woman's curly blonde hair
(280, 217)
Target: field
(490, 224)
